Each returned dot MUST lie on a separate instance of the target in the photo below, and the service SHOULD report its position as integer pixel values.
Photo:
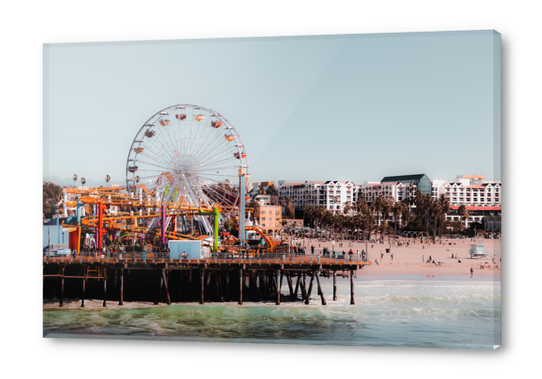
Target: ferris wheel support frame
(242, 207)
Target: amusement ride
(186, 174)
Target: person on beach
(471, 270)
(391, 256)
(423, 258)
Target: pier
(222, 278)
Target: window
(263, 218)
(263, 212)
(277, 219)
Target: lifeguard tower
(477, 251)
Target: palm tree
(423, 205)
(271, 190)
(405, 213)
(435, 212)
(74, 179)
(290, 210)
(107, 178)
(368, 223)
(387, 206)
(361, 205)
(83, 181)
(347, 207)
(256, 206)
(376, 206)
(444, 209)
(396, 210)
(463, 213)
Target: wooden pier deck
(235, 278)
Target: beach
(412, 260)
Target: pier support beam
(159, 290)
(320, 288)
(202, 283)
(334, 284)
(279, 283)
(121, 296)
(310, 288)
(84, 290)
(240, 286)
(164, 279)
(62, 289)
(352, 302)
(218, 280)
(297, 285)
(290, 285)
(105, 287)
(303, 287)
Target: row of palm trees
(373, 217)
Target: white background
(25, 26)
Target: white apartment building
(477, 195)
(263, 199)
(300, 193)
(370, 191)
(332, 194)
(438, 187)
(481, 198)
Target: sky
(343, 107)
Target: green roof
(403, 178)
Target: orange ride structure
(187, 164)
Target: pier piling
(202, 282)
(164, 279)
(320, 288)
(263, 280)
(240, 286)
(310, 288)
(121, 295)
(334, 284)
(279, 282)
(352, 302)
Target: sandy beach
(412, 260)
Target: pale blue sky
(349, 107)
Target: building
(300, 194)
(255, 187)
(481, 199)
(438, 187)
(263, 199)
(420, 181)
(331, 195)
(370, 191)
(270, 219)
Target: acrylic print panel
(338, 190)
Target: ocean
(450, 312)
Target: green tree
(51, 192)
(444, 209)
(229, 225)
(272, 190)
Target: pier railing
(230, 257)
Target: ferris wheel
(187, 153)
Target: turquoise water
(392, 311)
